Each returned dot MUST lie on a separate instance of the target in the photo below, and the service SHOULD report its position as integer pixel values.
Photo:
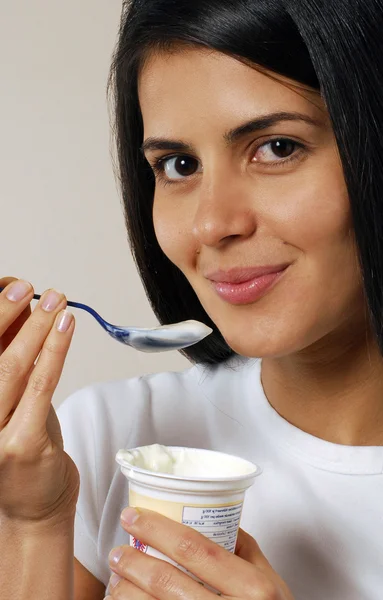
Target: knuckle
(53, 348)
(37, 325)
(14, 449)
(189, 549)
(162, 580)
(9, 368)
(268, 591)
(42, 382)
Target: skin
(244, 575)
(321, 368)
(39, 482)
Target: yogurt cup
(206, 491)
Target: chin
(268, 329)
(256, 349)
(275, 342)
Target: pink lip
(244, 286)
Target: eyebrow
(234, 135)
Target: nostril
(220, 231)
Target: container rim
(257, 469)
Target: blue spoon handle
(88, 309)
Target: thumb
(248, 549)
(15, 327)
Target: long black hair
(333, 46)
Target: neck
(335, 394)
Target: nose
(224, 211)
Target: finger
(35, 404)
(14, 329)
(248, 549)
(124, 590)
(21, 354)
(157, 577)
(22, 388)
(14, 308)
(4, 281)
(207, 560)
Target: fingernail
(64, 321)
(51, 300)
(115, 555)
(108, 598)
(113, 581)
(18, 291)
(129, 516)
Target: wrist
(55, 525)
(37, 559)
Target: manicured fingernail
(129, 516)
(51, 300)
(115, 555)
(114, 580)
(64, 321)
(18, 291)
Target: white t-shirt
(316, 510)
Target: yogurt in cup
(200, 488)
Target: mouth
(245, 286)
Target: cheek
(173, 233)
(315, 214)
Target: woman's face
(249, 204)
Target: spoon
(157, 339)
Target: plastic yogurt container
(200, 488)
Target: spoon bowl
(161, 339)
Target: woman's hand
(39, 482)
(247, 575)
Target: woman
(251, 167)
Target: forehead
(189, 84)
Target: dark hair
(334, 46)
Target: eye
(281, 148)
(178, 167)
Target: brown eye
(178, 167)
(281, 148)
